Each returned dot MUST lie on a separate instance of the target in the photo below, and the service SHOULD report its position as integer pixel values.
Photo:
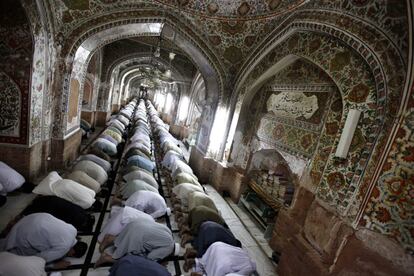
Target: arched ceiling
(233, 9)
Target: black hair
(28, 187)
(88, 223)
(80, 249)
(3, 200)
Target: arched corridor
(296, 114)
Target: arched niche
(271, 178)
(87, 94)
(340, 62)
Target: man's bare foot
(184, 229)
(190, 253)
(104, 258)
(188, 264)
(107, 241)
(116, 201)
(61, 264)
(185, 239)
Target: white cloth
(169, 158)
(92, 169)
(148, 202)
(41, 235)
(15, 265)
(221, 259)
(141, 175)
(120, 217)
(183, 190)
(74, 192)
(10, 179)
(179, 164)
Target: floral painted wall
(390, 209)
(336, 183)
(16, 50)
(292, 117)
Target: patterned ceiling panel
(233, 9)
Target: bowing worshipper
(105, 146)
(10, 179)
(109, 138)
(98, 160)
(209, 233)
(181, 192)
(67, 189)
(85, 180)
(196, 217)
(180, 167)
(141, 162)
(221, 259)
(147, 202)
(74, 192)
(15, 265)
(92, 169)
(99, 153)
(141, 147)
(200, 199)
(150, 239)
(132, 264)
(130, 187)
(120, 217)
(185, 178)
(63, 210)
(134, 172)
(45, 236)
(169, 158)
(135, 151)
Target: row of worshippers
(216, 250)
(46, 231)
(132, 238)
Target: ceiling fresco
(232, 29)
(233, 9)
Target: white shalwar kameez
(120, 217)
(221, 259)
(148, 202)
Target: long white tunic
(74, 192)
(221, 259)
(14, 265)
(152, 240)
(120, 217)
(10, 179)
(148, 202)
(41, 235)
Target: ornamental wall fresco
(16, 49)
(338, 182)
(10, 104)
(390, 207)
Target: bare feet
(61, 264)
(184, 229)
(190, 253)
(104, 258)
(188, 264)
(185, 239)
(177, 207)
(107, 241)
(116, 201)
